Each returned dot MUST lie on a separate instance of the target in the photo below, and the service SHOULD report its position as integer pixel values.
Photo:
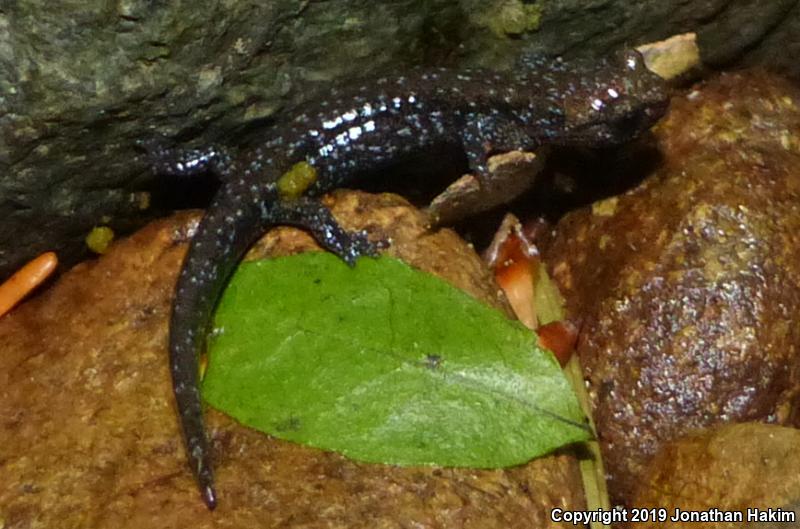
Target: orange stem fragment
(559, 337)
(25, 280)
(515, 261)
(515, 264)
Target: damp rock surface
(688, 285)
(745, 468)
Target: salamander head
(603, 103)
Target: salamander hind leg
(315, 217)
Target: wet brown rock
(689, 285)
(90, 437)
(731, 468)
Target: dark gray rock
(80, 82)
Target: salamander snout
(618, 100)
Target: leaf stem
(591, 464)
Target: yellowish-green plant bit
(593, 472)
(296, 180)
(548, 300)
(99, 239)
(385, 364)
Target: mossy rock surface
(80, 82)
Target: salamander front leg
(494, 181)
(488, 134)
(318, 220)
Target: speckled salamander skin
(362, 129)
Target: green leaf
(385, 364)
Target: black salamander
(543, 102)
